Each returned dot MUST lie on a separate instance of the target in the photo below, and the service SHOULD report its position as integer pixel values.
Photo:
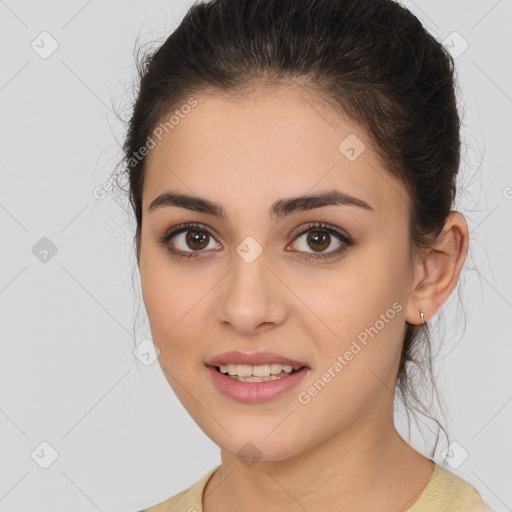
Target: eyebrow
(281, 208)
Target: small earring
(422, 317)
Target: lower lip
(254, 392)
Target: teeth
(261, 370)
(255, 379)
(275, 369)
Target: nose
(252, 299)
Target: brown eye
(320, 237)
(188, 239)
(318, 240)
(196, 239)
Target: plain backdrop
(84, 425)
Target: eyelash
(318, 226)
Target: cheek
(168, 297)
(362, 322)
(353, 296)
(168, 310)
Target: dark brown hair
(371, 60)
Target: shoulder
(446, 489)
(189, 500)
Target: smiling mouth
(264, 373)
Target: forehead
(266, 144)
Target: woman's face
(248, 284)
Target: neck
(361, 468)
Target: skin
(245, 152)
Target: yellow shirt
(445, 492)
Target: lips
(255, 392)
(254, 359)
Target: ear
(437, 271)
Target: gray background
(70, 319)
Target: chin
(253, 450)
(253, 441)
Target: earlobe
(438, 272)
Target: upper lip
(254, 359)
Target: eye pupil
(316, 236)
(196, 237)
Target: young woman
(292, 169)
